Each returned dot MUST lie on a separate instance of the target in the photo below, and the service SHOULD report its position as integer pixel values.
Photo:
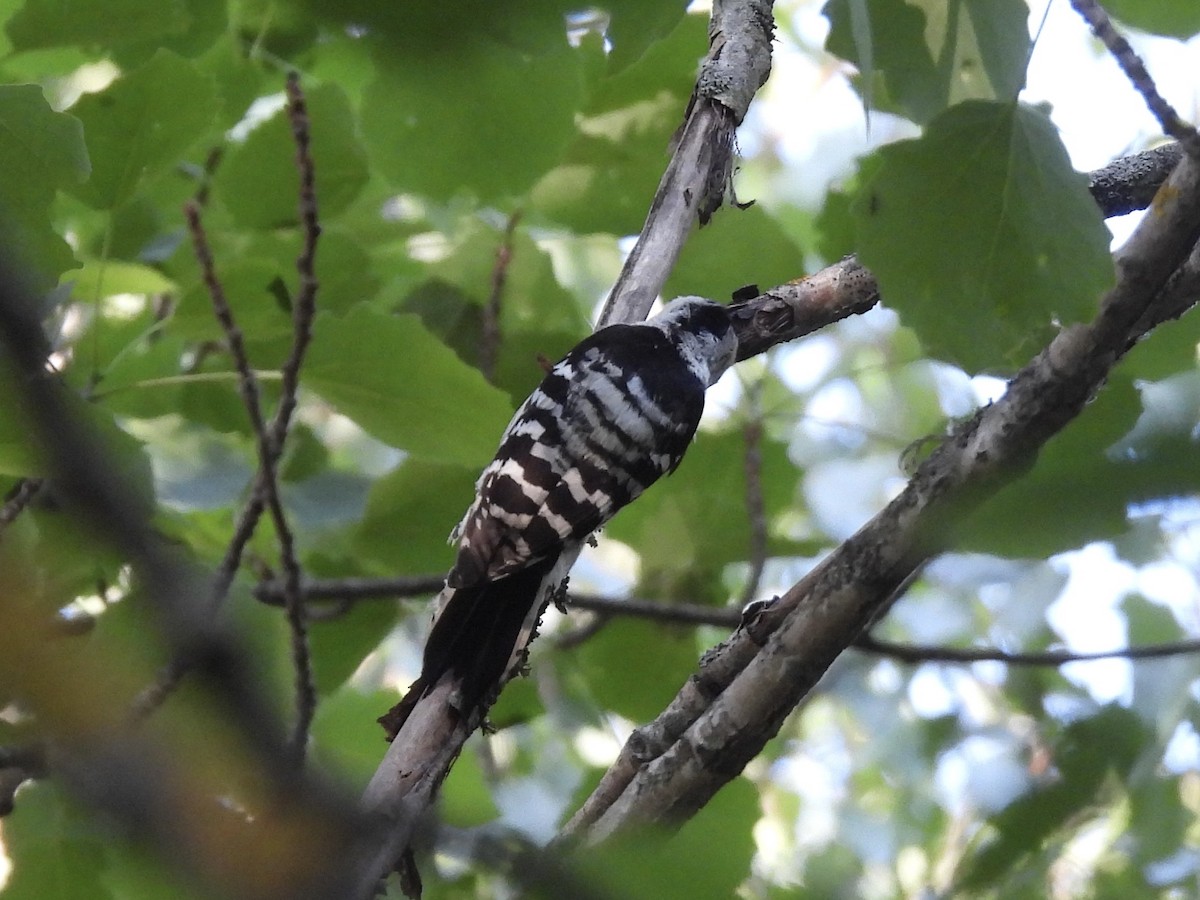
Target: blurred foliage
(444, 132)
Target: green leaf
(920, 57)
(410, 512)
(982, 235)
(710, 856)
(899, 73)
(466, 799)
(1073, 471)
(402, 385)
(258, 182)
(1088, 751)
(40, 152)
(55, 23)
(635, 668)
(609, 173)
(99, 278)
(205, 23)
(686, 535)
(345, 733)
(738, 247)
(1001, 33)
(339, 645)
(39, 143)
(476, 100)
(257, 294)
(634, 26)
(55, 852)
(140, 126)
(1158, 818)
(1175, 18)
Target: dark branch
(268, 485)
(922, 653)
(1135, 70)
(143, 780)
(748, 685)
(1129, 183)
(18, 498)
(489, 341)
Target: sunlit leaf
(1175, 18)
(40, 152)
(474, 99)
(258, 181)
(400, 384)
(137, 128)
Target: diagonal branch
(1135, 70)
(694, 186)
(747, 686)
(698, 176)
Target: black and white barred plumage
(614, 415)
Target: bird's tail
(474, 638)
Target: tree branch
(268, 485)
(694, 185)
(698, 176)
(1135, 70)
(18, 498)
(489, 341)
(349, 590)
(922, 653)
(303, 313)
(747, 686)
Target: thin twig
(489, 342)
(205, 175)
(1135, 70)
(303, 313)
(304, 309)
(922, 653)
(19, 497)
(356, 589)
(268, 484)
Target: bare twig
(489, 341)
(748, 685)
(1131, 64)
(19, 497)
(303, 313)
(304, 308)
(923, 653)
(267, 487)
(357, 589)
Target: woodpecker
(607, 421)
